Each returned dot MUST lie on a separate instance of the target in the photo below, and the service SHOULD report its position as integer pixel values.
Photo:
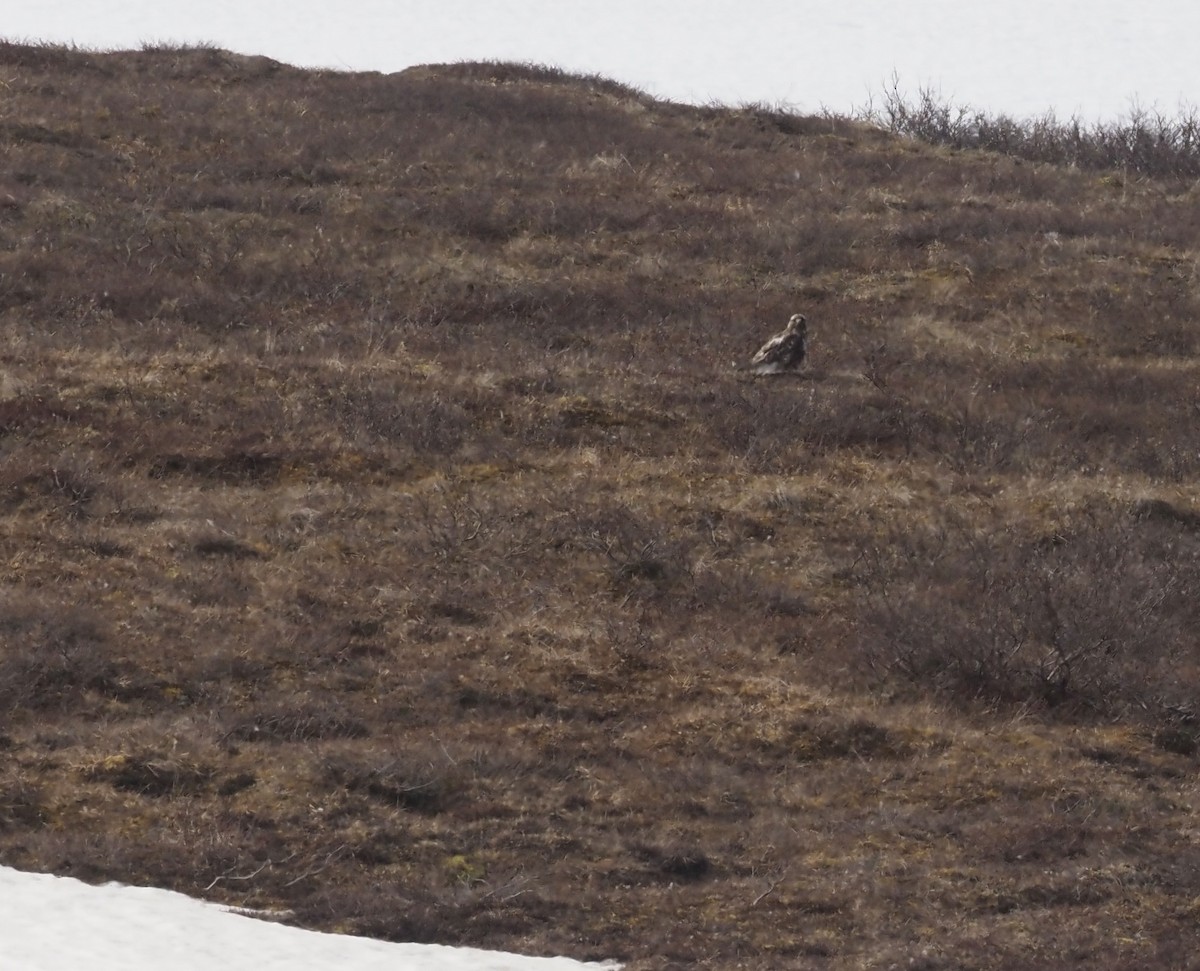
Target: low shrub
(1145, 142)
(1093, 622)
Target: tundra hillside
(389, 540)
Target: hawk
(784, 352)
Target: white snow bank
(50, 923)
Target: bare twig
(245, 876)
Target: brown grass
(388, 538)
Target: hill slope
(388, 537)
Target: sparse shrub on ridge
(1143, 143)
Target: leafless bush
(67, 485)
(641, 561)
(22, 806)
(425, 783)
(429, 424)
(51, 654)
(1093, 623)
(1146, 142)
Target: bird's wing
(778, 348)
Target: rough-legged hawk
(785, 351)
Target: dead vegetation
(389, 540)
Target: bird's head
(798, 322)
